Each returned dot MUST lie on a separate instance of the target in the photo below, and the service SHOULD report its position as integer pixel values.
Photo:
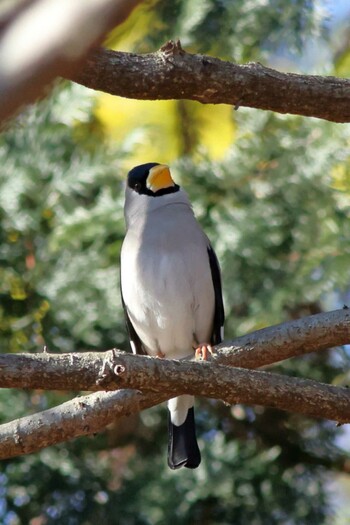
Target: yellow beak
(159, 178)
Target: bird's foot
(202, 352)
(160, 354)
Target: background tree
(276, 205)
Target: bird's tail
(183, 449)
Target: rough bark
(171, 73)
(81, 416)
(27, 65)
(161, 379)
(286, 340)
(171, 377)
(89, 414)
(96, 370)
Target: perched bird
(171, 288)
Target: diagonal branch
(30, 59)
(45, 39)
(290, 339)
(88, 370)
(81, 416)
(172, 73)
(164, 379)
(161, 379)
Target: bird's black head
(152, 179)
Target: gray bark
(171, 73)
(155, 380)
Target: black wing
(134, 339)
(219, 315)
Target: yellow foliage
(13, 236)
(217, 128)
(148, 125)
(47, 213)
(141, 21)
(341, 178)
(342, 68)
(17, 290)
(153, 129)
(18, 340)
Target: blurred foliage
(62, 227)
(243, 30)
(271, 191)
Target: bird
(170, 289)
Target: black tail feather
(183, 449)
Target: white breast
(166, 281)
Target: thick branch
(161, 379)
(166, 379)
(81, 416)
(47, 39)
(86, 371)
(291, 339)
(171, 73)
(232, 385)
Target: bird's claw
(202, 352)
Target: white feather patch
(178, 407)
(222, 332)
(133, 347)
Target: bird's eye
(137, 186)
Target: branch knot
(171, 49)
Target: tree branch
(88, 370)
(46, 39)
(162, 379)
(79, 417)
(171, 73)
(171, 377)
(291, 339)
